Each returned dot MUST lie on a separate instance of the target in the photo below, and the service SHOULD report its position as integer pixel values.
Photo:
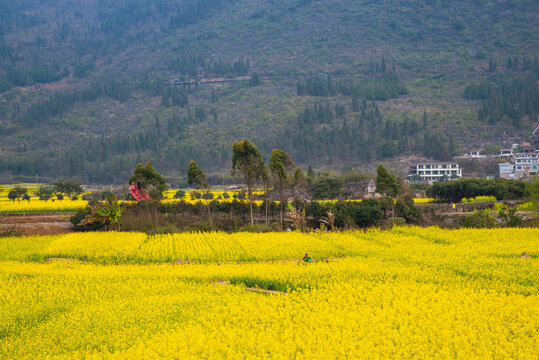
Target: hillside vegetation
(89, 89)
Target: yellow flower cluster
(421, 293)
(66, 205)
(478, 199)
(36, 205)
(423, 200)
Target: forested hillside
(89, 88)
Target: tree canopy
(146, 176)
(247, 162)
(386, 183)
(17, 193)
(196, 176)
(281, 167)
(69, 188)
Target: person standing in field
(306, 258)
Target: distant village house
(524, 164)
(430, 172)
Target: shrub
(180, 194)
(155, 194)
(195, 195)
(208, 196)
(406, 209)
(368, 213)
(454, 191)
(78, 218)
(363, 214)
(510, 218)
(45, 192)
(107, 194)
(326, 187)
(242, 195)
(480, 219)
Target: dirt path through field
(37, 224)
(247, 288)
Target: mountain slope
(86, 87)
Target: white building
(435, 171)
(525, 164)
(507, 170)
(475, 154)
(506, 152)
(371, 187)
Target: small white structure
(506, 152)
(435, 171)
(371, 187)
(507, 170)
(474, 154)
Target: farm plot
(407, 293)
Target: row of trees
(18, 76)
(324, 131)
(502, 189)
(56, 104)
(285, 178)
(510, 101)
(117, 89)
(379, 88)
(247, 163)
(281, 173)
(46, 192)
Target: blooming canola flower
(408, 293)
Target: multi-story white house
(435, 171)
(525, 164)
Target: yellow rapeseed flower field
(408, 293)
(66, 205)
(36, 205)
